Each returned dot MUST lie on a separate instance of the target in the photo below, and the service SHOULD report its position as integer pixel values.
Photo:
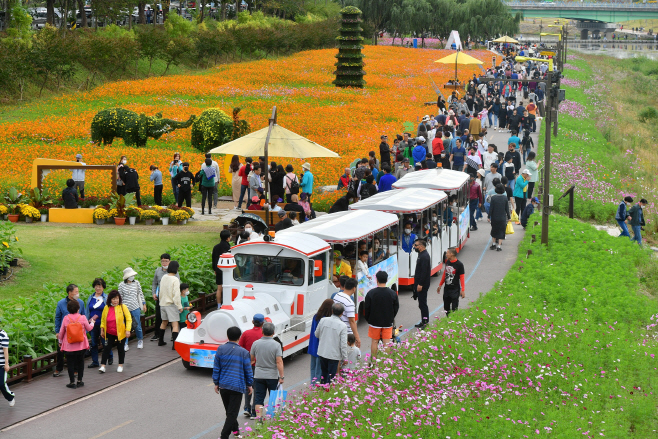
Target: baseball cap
(535, 199)
(78, 156)
(254, 199)
(527, 172)
(420, 139)
(259, 318)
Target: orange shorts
(380, 333)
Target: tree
(377, 13)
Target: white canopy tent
(454, 38)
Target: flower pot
(13, 262)
(184, 221)
(132, 220)
(180, 223)
(28, 219)
(3, 271)
(4, 217)
(100, 221)
(165, 221)
(13, 217)
(148, 222)
(119, 221)
(44, 218)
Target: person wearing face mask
(133, 297)
(408, 238)
(422, 277)
(185, 302)
(165, 258)
(174, 168)
(184, 180)
(61, 311)
(218, 250)
(121, 185)
(170, 303)
(116, 322)
(378, 252)
(249, 228)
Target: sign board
(547, 53)
(389, 265)
(464, 223)
(202, 357)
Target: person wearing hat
(529, 210)
(404, 169)
(255, 204)
(78, 176)
(520, 188)
(284, 221)
(306, 185)
(341, 267)
(274, 204)
(4, 367)
(246, 341)
(384, 150)
(133, 297)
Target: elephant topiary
(214, 128)
(134, 128)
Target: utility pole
(545, 211)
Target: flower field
(563, 347)
(346, 121)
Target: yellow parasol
(505, 39)
(276, 141)
(459, 58)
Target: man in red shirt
(437, 147)
(246, 340)
(244, 173)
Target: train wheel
(187, 364)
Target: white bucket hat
(128, 272)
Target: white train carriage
(449, 181)
(286, 279)
(417, 206)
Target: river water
(618, 50)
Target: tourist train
(287, 276)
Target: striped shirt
(4, 344)
(131, 295)
(232, 368)
(348, 303)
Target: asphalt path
(172, 402)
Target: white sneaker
(12, 402)
(101, 369)
(120, 369)
(140, 344)
(126, 348)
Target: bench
(270, 218)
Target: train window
(311, 269)
(267, 310)
(269, 270)
(276, 307)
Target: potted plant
(133, 213)
(30, 213)
(120, 203)
(190, 212)
(149, 216)
(44, 214)
(100, 215)
(13, 199)
(164, 216)
(179, 216)
(3, 211)
(39, 199)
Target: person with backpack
(116, 323)
(61, 311)
(207, 185)
(367, 189)
(622, 215)
(73, 340)
(290, 183)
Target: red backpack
(75, 332)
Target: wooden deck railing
(32, 367)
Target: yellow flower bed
(179, 215)
(149, 214)
(30, 212)
(101, 213)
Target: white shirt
(362, 267)
(489, 158)
(348, 303)
(79, 174)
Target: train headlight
(191, 317)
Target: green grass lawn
(63, 253)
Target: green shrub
(648, 114)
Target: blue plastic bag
(277, 401)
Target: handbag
(75, 332)
(277, 401)
(515, 217)
(510, 229)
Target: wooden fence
(32, 367)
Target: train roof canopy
(401, 200)
(437, 179)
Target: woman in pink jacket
(75, 327)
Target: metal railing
(32, 367)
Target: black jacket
(217, 251)
(131, 179)
(516, 159)
(385, 152)
(341, 205)
(185, 179)
(381, 307)
(423, 270)
(499, 208)
(282, 225)
(70, 197)
(294, 207)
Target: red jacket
(475, 192)
(250, 336)
(437, 146)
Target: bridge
(591, 17)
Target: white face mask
(76, 297)
(131, 278)
(407, 231)
(164, 267)
(248, 229)
(124, 161)
(454, 204)
(434, 218)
